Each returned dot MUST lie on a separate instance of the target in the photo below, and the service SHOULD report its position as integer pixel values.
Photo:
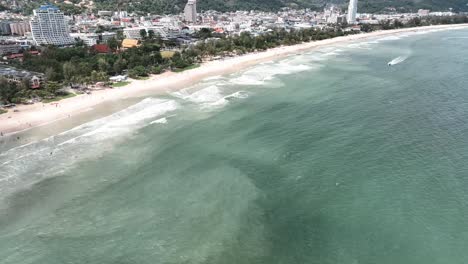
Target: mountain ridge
(177, 6)
(174, 6)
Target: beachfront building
(190, 11)
(34, 79)
(352, 11)
(48, 27)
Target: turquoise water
(331, 156)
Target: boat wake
(397, 60)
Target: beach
(326, 156)
(29, 116)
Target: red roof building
(101, 48)
(15, 56)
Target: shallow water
(327, 157)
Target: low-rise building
(89, 39)
(101, 48)
(9, 48)
(423, 12)
(134, 32)
(106, 36)
(34, 79)
(105, 13)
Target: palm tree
(143, 33)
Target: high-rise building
(19, 28)
(5, 28)
(190, 11)
(49, 27)
(352, 11)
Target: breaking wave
(159, 121)
(209, 97)
(389, 38)
(261, 74)
(26, 165)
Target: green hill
(173, 6)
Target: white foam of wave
(225, 100)
(361, 45)
(398, 60)
(428, 31)
(353, 45)
(327, 49)
(316, 58)
(209, 94)
(208, 97)
(389, 38)
(263, 73)
(159, 121)
(455, 38)
(113, 125)
(217, 104)
(249, 79)
(126, 120)
(25, 166)
(239, 95)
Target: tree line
(416, 22)
(82, 65)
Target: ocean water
(331, 156)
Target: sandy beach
(29, 116)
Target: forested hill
(176, 6)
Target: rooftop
(10, 71)
(47, 7)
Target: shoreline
(41, 114)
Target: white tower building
(190, 11)
(48, 27)
(352, 10)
